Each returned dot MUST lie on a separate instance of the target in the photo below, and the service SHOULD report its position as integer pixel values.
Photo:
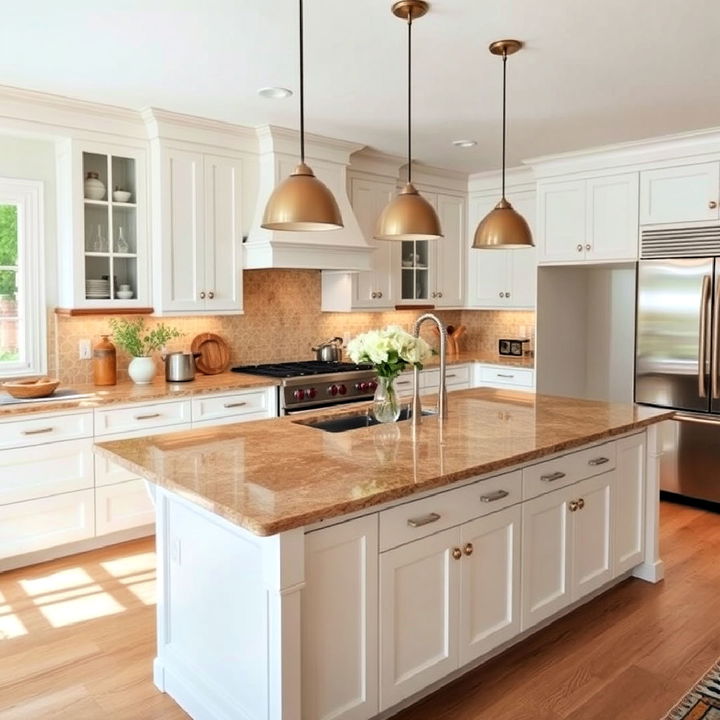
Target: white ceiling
(592, 72)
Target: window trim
(28, 196)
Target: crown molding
(280, 140)
(517, 178)
(369, 161)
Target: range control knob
(333, 390)
(372, 385)
(342, 389)
(299, 394)
(361, 386)
(311, 393)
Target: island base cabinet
(490, 583)
(418, 615)
(339, 622)
(629, 504)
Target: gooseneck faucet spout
(442, 390)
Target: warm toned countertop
(125, 392)
(275, 475)
(468, 356)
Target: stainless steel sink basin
(341, 423)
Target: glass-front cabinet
(414, 270)
(102, 224)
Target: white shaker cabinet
(339, 621)
(447, 255)
(629, 503)
(419, 585)
(687, 193)
(197, 233)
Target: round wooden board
(214, 353)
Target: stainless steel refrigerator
(677, 366)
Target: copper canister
(104, 362)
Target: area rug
(702, 702)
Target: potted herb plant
(135, 339)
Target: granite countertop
(274, 475)
(469, 356)
(92, 396)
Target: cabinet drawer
(417, 519)
(215, 407)
(134, 417)
(42, 429)
(46, 522)
(454, 375)
(46, 470)
(123, 506)
(519, 377)
(567, 469)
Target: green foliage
(8, 248)
(132, 336)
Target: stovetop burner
(300, 369)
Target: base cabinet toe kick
(357, 617)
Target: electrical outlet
(84, 349)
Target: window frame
(27, 195)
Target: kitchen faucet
(442, 390)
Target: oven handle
(324, 406)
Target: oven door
(305, 408)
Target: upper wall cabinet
(102, 226)
(690, 193)
(197, 235)
(502, 279)
(588, 220)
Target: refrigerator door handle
(702, 345)
(715, 343)
(681, 417)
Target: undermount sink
(353, 421)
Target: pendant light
(409, 216)
(301, 202)
(503, 227)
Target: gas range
(315, 384)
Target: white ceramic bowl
(121, 196)
(124, 294)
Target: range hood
(344, 249)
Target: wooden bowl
(26, 389)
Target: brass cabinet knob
(211, 295)
(581, 504)
(373, 295)
(572, 506)
(379, 294)
(712, 204)
(579, 248)
(202, 295)
(457, 553)
(468, 549)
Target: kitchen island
(308, 574)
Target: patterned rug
(702, 702)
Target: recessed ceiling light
(274, 93)
(464, 143)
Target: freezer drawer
(690, 462)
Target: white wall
(31, 159)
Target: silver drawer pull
(451, 375)
(505, 376)
(495, 495)
(423, 520)
(149, 416)
(552, 477)
(39, 431)
(404, 382)
(598, 461)
(234, 404)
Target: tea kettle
(180, 366)
(329, 351)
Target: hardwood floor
(77, 638)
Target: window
(22, 291)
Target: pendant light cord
(504, 90)
(302, 88)
(409, 97)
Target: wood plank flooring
(77, 639)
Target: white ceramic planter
(142, 370)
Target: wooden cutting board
(214, 353)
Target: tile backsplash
(282, 321)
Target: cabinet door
(591, 555)
(612, 218)
(418, 615)
(523, 262)
(490, 582)
(546, 538)
(449, 253)
(339, 622)
(223, 234)
(123, 506)
(561, 221)
(183, 224)
(689, 193)
(375, 287)
(629, 503)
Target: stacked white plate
(97, 289)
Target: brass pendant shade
(302, 203)
(409, 216)
(503, 228)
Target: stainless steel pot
(329, 351)
(180, 366)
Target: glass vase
(386, 404)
